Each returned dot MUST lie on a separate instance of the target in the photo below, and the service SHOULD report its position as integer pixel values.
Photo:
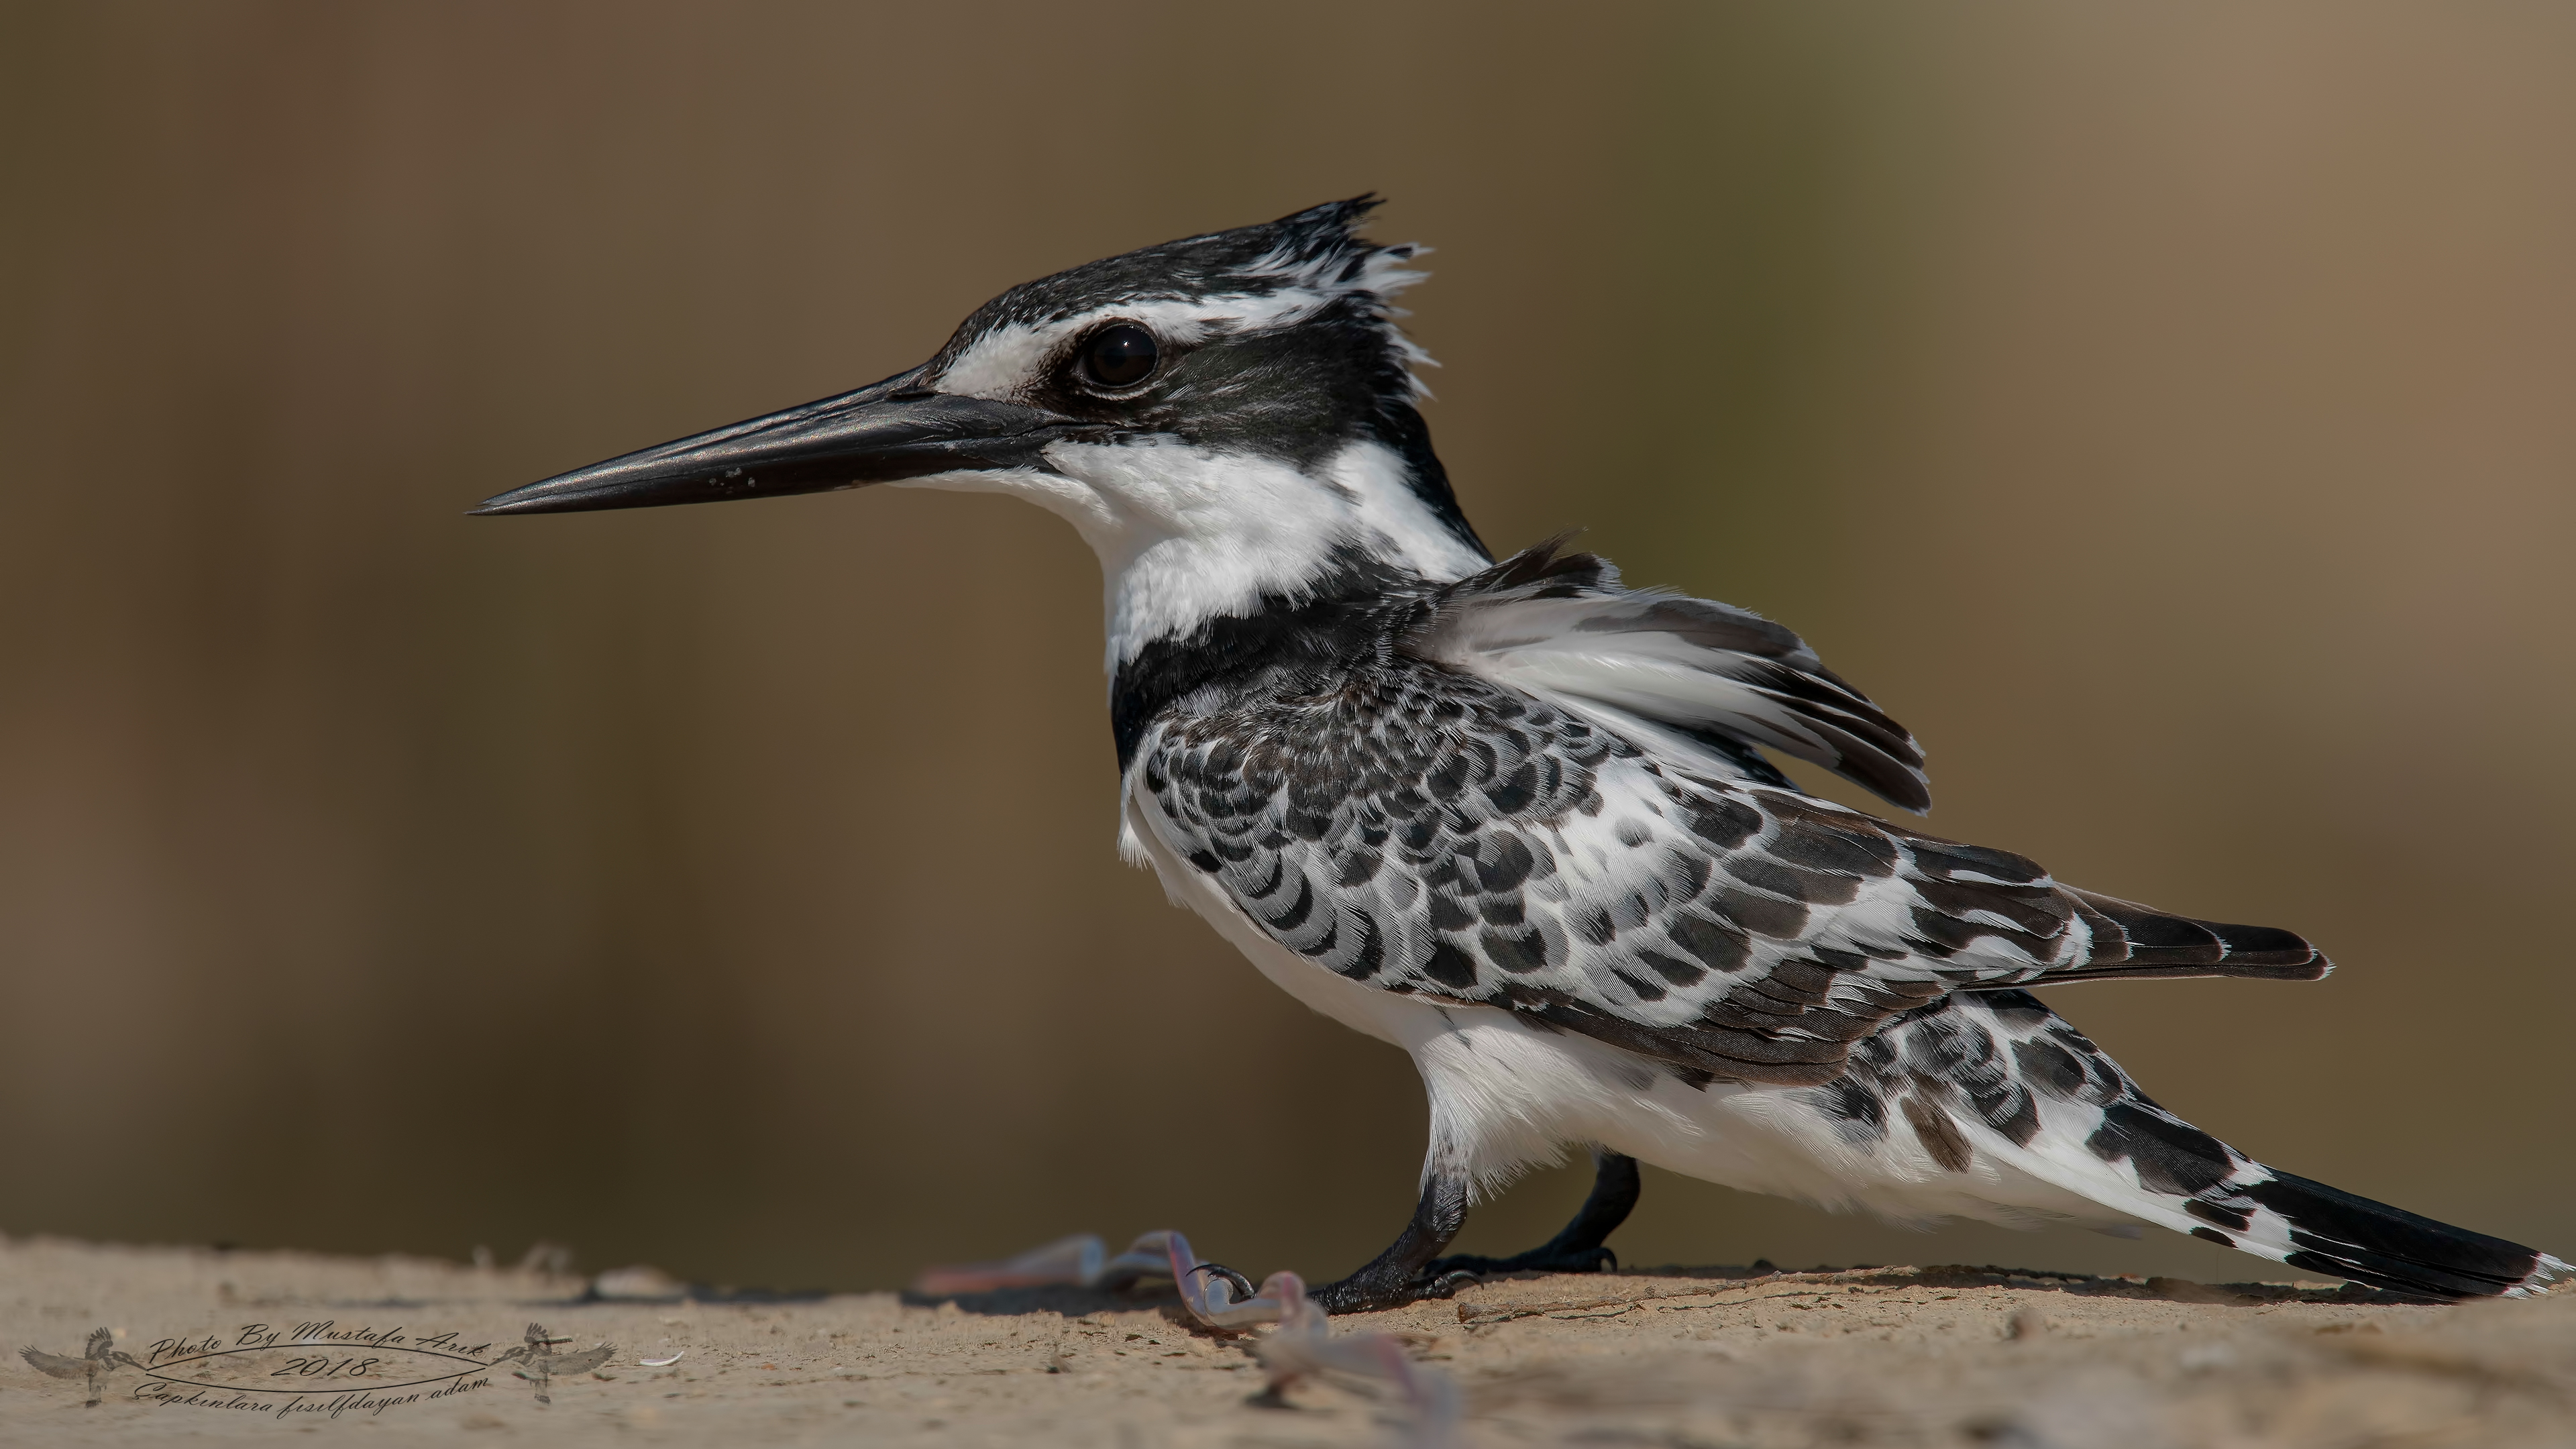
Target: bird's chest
(1400, 1020)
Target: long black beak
(883, 432)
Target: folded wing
(1691, 677)
(1427, 832)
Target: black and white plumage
(540, 1364)
(102, 1356)
(1515, 817)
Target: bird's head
(1226, 418)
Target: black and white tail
(2034, 1094)
(2327, 1230)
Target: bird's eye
(1120, 356)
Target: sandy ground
(1687, 1358)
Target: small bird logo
(542, 1363)
(102, 1357)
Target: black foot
(1364, 1293)
(1578, 1249)
(1401, 1274)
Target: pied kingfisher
(1515, 817)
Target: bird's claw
(1360, 1293)
(1241, 1285)
(1446, 1285)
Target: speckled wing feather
(1693, 676)
(1427, 831)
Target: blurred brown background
(2164, 411)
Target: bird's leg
(1390, 1280)
(1400, 1275)
(1580, 1248)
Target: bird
(540, 1363)
(1523, 820)
(102, 1356)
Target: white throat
(1187, 534)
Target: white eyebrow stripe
(1004, 363)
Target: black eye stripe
(1119, 356)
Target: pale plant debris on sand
(1301, 1346)
(1941, 1356)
